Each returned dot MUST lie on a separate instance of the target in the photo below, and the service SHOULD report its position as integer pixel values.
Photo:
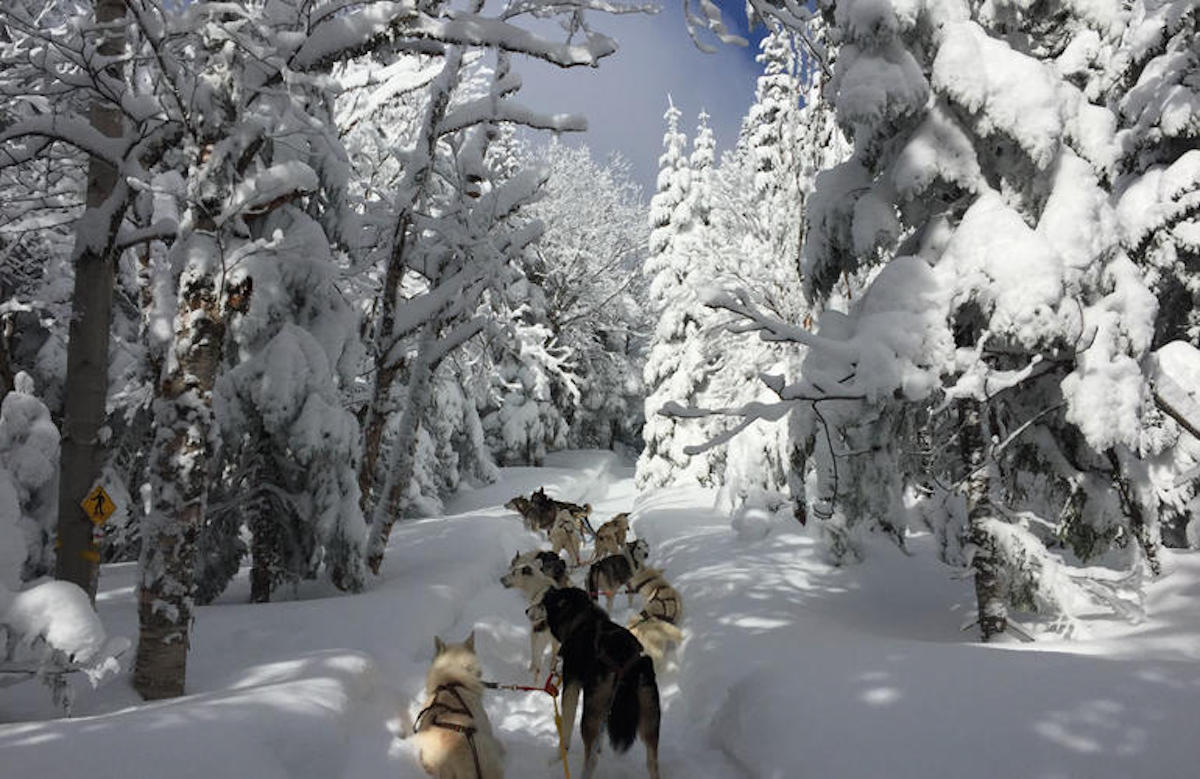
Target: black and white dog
(614, 572)
(606, 662)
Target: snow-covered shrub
(29, 444)
(51, 630)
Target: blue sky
(625, 98)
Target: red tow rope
(551, 689)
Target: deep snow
(790, 668)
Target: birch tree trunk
(183, 446)
(81, 457)
(989, 586)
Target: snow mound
(57, 613)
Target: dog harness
(437, 707)
(668, 610)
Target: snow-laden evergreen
(679, 259)
(980, 362)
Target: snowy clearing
(790, 668)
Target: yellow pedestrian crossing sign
(98, 506)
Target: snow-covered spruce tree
(1152, 76)
(293, 450)
(756, 229)
(290, 451)
(676, 359)
(532, 385)
(1048, 316)
(999, 310)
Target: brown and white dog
(610, 537)
(453, 736)
(565, 534)
(657, 625)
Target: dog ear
(439, 646)
(470, 642)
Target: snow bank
(292, 728)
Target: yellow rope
(562, 747)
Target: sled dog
(613, 572)
(605, 662)
(659, 599)
(610, 537)
(539, 511)
(564, 534)
(529, 579)
(548, 563)
(657, 625)
(524, 507)
(453, 736)
(655, 635)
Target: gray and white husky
(527, 574)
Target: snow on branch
(70, 130)
(748, 415)
(456, 337)
(345, 36)
(768, 327)
(475, 30)
(1173, 367)
(485, 109)
(162, 230)
(263, 190)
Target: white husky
(453, 735)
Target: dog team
(614, 667)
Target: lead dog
(539, 511)
(528, 577)
(605, 662)
(613, 572)
(453, 736)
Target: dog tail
(626, 713)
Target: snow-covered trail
(790, 668)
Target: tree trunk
(183, 446)
(401, 470)
(82, 457)
(1146, 536)
(989, 585)
(262, 556)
